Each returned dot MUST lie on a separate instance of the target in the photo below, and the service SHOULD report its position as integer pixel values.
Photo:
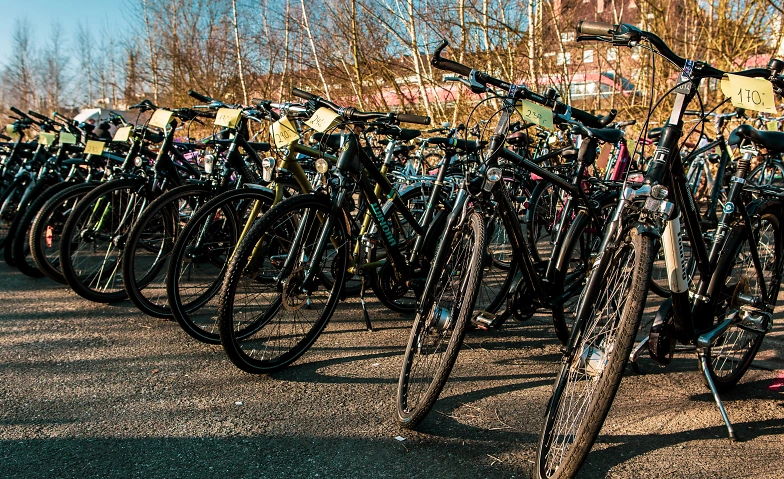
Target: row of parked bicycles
(252, 245)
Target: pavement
(89, 390)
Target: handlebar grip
(199, 96)
(38, 115)
(303, 94)
(451, 66)
(3, 137)
(18, 111)
(601, 29)
(419, 120)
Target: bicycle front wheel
(440, 324)
(591, 373)
(273, 304)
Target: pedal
(756, 321)
(485, 320)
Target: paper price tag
(67, 138)
(161, 118)
(283, 133)
(11, 131)
(122, 134)
(323, 120)
(228, 117)
(772, 125)
(94, 147)
(749, 93)
(717, 150)
(46, 138)
(537, 114)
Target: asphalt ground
(89, 390)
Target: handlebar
(19, 112)
(356, 115)
(478, 82)
(624, 34)
(200, 97)
(39, 116)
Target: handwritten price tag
(46, 138)
(228, 117)
(749, 93)
(323, 120)
(283, 133)
(772, 125)
(537, 114)
(161, 118)
(122, 134)
(94, 147)
(67, 138)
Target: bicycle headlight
(138, 162)
(209, 162)
(267, 167)
(322, 165)
(494, 174)
(659, 192)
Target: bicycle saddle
(609, 135)
(518, 138)
(773, 141)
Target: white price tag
(46, 138)
(323, 120)
(537, 114)
(749, 93)
(283, 133)
(67, 138)
(161, 118)
(94, 147)
(228, 117)
(122, 134)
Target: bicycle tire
(102, 219)
(248, 332)
(439, 330)
(203, 250)
(47, 228)
(19, 247)
(603, 361)
(155, 232)
(581, 244)
(735, 274)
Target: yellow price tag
(283, 133)
(772, 125)
(749, 93)
(46, 138)
(717, 150)
(323, 120)
(228, 117)
(122, 134)
(94, 147)
(537, 114)
(67, 138)
(161, 118)
(11, 130)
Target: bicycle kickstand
(712, 386)
(368, 324)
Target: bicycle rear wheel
(736, 274)
(590, 375)
(442, 319)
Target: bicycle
(613, 300)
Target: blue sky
(42, 13)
